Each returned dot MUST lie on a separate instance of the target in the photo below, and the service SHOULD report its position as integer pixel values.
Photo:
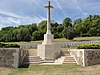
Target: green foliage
(67, 22)
(69, 33)
(88, 46)
(3, 45)
(24, 35)
(42, 27)
(37, 35)
(32, 27)
(7, 28)
(78, 21)
(60, 28)
(90, 26)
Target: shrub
(88, 46)
(3, 45)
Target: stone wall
(86, 57)
(11, 57)
(92, 57)
(6, 57)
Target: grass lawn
(64, 40)
(86, 38)
(52, 70)
(16, 42)
(78, 39)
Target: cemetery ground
(52, 70)
(79, 39)
(64, 40)
(64, 69)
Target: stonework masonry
(11, 57)
(86, 57)
(92, 57)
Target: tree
(69, 33)
(23, 35)
(67, 22)
(37, 36)
(7, 28)
(60, 28)
(42, 27)
(32, 27)
(56, 29)
(15, 33)
(77, 21)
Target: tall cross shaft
(48, 16)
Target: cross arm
(49, 6)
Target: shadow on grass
(24, 66)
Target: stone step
(50, 64)
(47, 61)
(67, 54)
(32, 59)
(69, 59)
(69, 63)
(31, 62)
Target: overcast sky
(17, 12)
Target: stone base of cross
(48, 38)
(48, 32)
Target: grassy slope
(53, 70)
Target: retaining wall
(86, 57)
(11, 57)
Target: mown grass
(53, 70)
(78, 39)
(19, 43)
(62, 40)
(86, 38)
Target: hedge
(88, 46)
(3, 45)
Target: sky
(23, 12)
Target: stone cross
(48, 16)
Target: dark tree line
(90, 26)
